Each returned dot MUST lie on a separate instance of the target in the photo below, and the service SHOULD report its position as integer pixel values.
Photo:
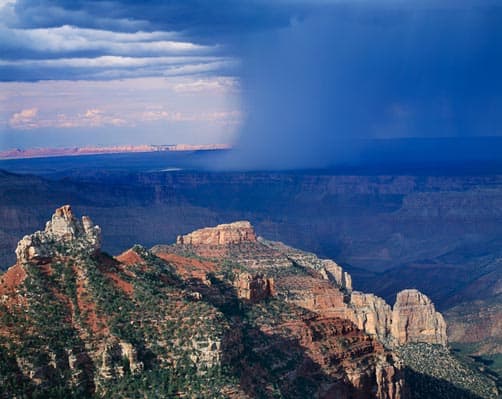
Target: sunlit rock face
(261, 307)
(372, 314)
(65, 230)
(223, 234)
(414, 319)
(336, 274)
(254, 288)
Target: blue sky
(287, 77)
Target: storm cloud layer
(317, 90)
(316, 78)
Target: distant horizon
(471, 155)
(45, 152)
(86, 149)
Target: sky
(288, 83)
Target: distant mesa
(94, 150)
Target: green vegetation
(90, 327)
(433, 372)
(487, 364)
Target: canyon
(248, 318)
(437, 233)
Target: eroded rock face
(372, 315)
(254, 288)
(337, 275)
(369, 370)
(63, 229)
(328, 291)
(414, 319)
(223, 234)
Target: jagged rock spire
(63, 228)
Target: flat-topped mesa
(62, 230)
(414, 319)
(223, 234)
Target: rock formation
(100, 322)
(317, 295)
(118, 355)
(372, 314)
(65, 230)
(327, 290)
(254, 288)
(414, 319)
(337, 275)
(223, 234)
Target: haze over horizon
(291, 84)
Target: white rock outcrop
(63, 230)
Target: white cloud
(226, 117)
(110, 61)
(200, 68)
(30, 118)
(70, 39)
(24, 119)
(223, 84)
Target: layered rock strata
(371, 314)
(327, 289)
(337, 275)
(414, 319)
(223, 234)
(279, 316)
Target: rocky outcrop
(337, 275)
(414, 319)
(313, 294)
(372, 315)
(335, 297)
(118, 358)
(223, 234)
(175, 313)
(354, 364)
(64, 230)
(254, 288)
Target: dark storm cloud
(34, 33)
(314, 74)
(203, 20)
(362, 72)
